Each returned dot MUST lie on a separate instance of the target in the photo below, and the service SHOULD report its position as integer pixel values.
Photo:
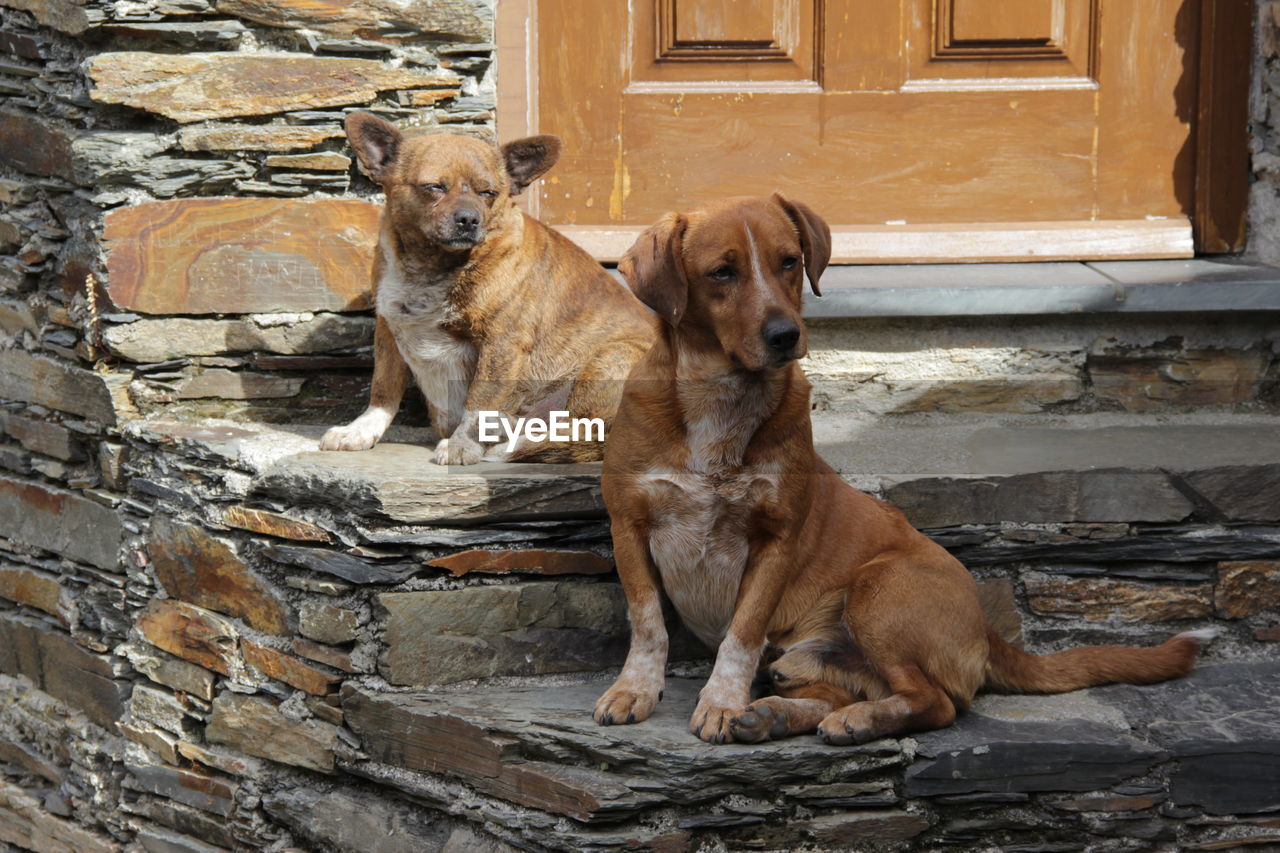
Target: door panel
(890, 117)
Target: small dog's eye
(488, 193)
(724, 273)
(790, 263)
(433, 188)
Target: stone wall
(214, 637)
(1264, 136)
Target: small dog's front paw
(848, 725)
(353, 436)
(760, 721)
(625, 703)
(713, 721)
(458, 451)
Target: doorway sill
(957, 290)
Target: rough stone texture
(1247, 589)
(155, 340)
(1151, 380)
(42, 437)
(288, 669)
(201, 86)
(35, 379)
(171, 671)
(35, 145)
(1241, 493)
(404, 483)
(206, 792)
(191, 633)
(205, 256)
(326, 623)
(257, 727)
(1100, 600)
(854, 827)
(437, 20)
(515, 629)
(1044, 497)
(59, 521)
(325, 161)
(194, 567)
(237, 385)
(56, 664)
(272, 524)
(345, 566)
(537, 562)
(36, 589)
(271, 137)
(25, 823)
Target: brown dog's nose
(466, 220)
(780, 334)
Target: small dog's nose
(466, 219)
(781, 335)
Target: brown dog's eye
(724, 273)
(790, 263)
(488, 193)
(434, 188)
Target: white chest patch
(442, 365)
(701, 512)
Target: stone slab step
(1209, 743)
(942, 471)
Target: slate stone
(1091, 495)
(290, 670)
(854, 827)
(241, 255)
(434, 20)
(192, 633)
(238, 385)
(170, 670)
(1100, 600)
(272, 524)
(539, 562)
(61, 667)
(201, 791)
(498, 741)
(155, 840)
(1247, 589)
(257, 727)
(26, 824)
(40, 436)
(63, 15)
(403, 483)
(35, 144)
(326, 623)
(219, 35)
(986, 754)
(513, 629)
(1240, 492)
(200, 86)
(1221, 725)
(265, 137)
(44, 382)
(357, 821)
(60, 521)
(341, 565)
(1184, 544)
(161, 339)
(192, 566)
(37, 589)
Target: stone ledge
(1184, 742)
(954, 290)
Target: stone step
(1033, 766)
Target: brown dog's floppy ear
(655, 271)
(376, 142)
(815, 238)
(529, 159)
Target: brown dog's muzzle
(781, 334)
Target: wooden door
(921, 129)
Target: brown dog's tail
(1011, 670)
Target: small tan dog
(486, 307)
(717, 499)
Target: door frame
(1219, 136)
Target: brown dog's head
(732, 271)
(448, 187)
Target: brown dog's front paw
(458, 451)
(713, 723)
(353, 436)
(846, 726)
(621, 704)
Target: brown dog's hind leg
(794, 711)
(916, 704)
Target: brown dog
(486, 307)
(717, 498)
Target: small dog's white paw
(457, 450)
(361, 434)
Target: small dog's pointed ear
(654, 268)
(376, 142)
(529, 159)
(815, 238)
